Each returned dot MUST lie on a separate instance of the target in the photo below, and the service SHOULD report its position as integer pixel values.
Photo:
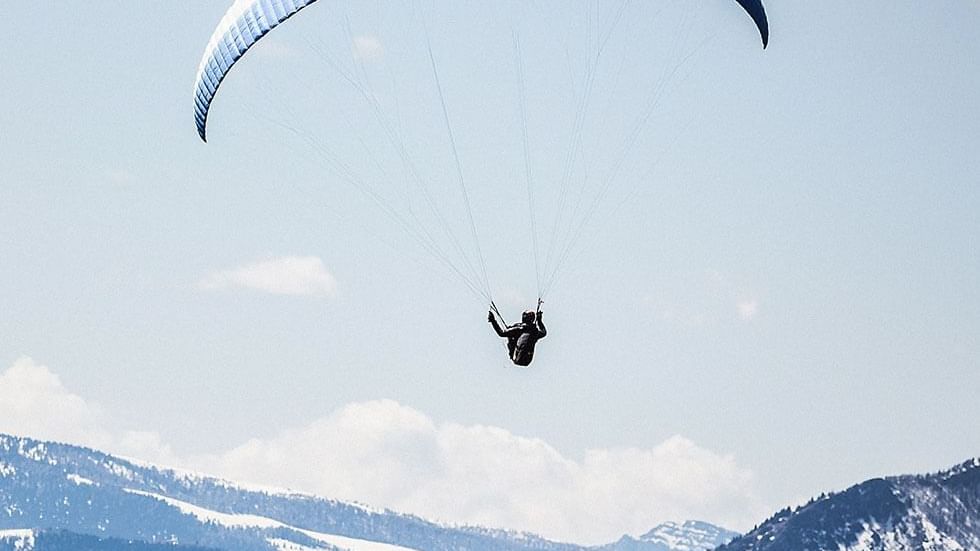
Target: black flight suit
(521, 338)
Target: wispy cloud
(710, 300)
(748, 309)
(368, 48)
(289, 275)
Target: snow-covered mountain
(16, 539)
(56, 496)
(689, 536)
(671, 536)
(936, 512)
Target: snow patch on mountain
(881, 538)
(230, 520)
(286, 545)
(191, 478)
(689, 536)
(35, 451)
(207, 515)
(23, 540)
(933, 512)
(79, 480)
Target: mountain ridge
(939, 511)
(56, 486)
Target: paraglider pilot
(521, 337)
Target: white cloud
(289, 275)
(385, 454)
(748, 309)
(704, 302)
(389, 455)
(35, 403)
(368, 48)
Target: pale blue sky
(828, 187)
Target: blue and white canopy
(247, 21)
(242, 26)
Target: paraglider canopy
(757, 11)
(247, 21)
(404, 154)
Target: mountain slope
(60, 487)
(936, 512)
(55, 487)
(671, 536)
(689, 536)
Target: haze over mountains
(58, 497)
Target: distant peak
(688, 535)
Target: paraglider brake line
(496, 311)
